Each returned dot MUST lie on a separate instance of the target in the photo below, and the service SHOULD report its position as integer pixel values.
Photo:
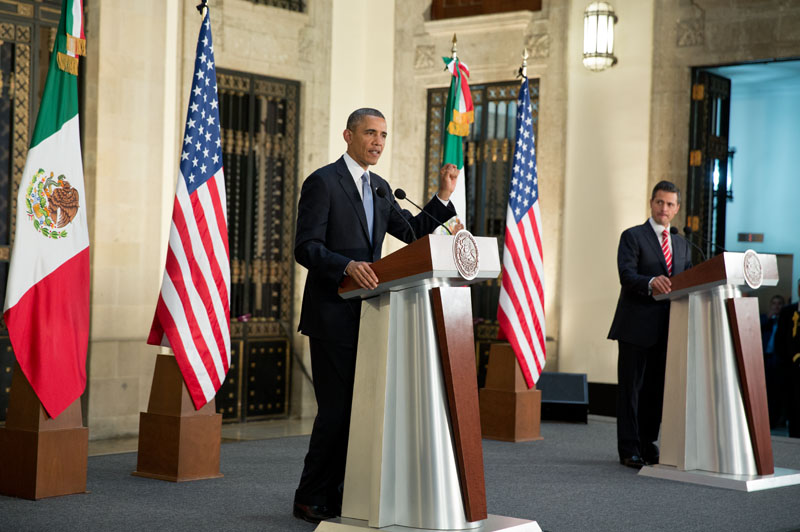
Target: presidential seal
(753, 272)
(51, 204)
(465, 254)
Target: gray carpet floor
(570, 481)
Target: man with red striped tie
(648, 255)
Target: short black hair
(779, 297)
(666, 186)
(359, 114)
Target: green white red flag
(459, 114)
(47, 295)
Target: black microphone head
(687, 230)
(673, 230)
(381, 192)
(400, 194)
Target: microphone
(381, 192)
(688, 231)
(401, 195)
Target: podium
(414, 456)
(715, 426)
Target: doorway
(744, 173)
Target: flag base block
(176, 442)
(509, 410)
(45, 457)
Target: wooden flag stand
(177, 442)
(509, 410)
(43, 456)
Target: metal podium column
(404, 449)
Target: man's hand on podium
(661, 285)
(362, 274)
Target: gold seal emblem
(465, 254)
(753, 272)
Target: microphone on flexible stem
(381, 192)
(688, 232)
(401, 195)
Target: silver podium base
(782, 477)
(493, 523)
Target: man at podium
(648, 255)
(343, 216)
(788, 347)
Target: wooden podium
(43, 456)
(414, 457)
(715, 427)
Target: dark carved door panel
(259, 118)
(707, 183)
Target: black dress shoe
(313, 513)
(634, 461)
(650, 454)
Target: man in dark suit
(648, 255)
(341, 225)
(787, 345)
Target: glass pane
(491, 120)
(511, 123)
(502, 108)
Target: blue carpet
(570, 481)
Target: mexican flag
(459, 114)
(47, 296)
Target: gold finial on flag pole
(202, 7)
(523, 70)
(455, 45)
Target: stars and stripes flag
(521, 308)
(193, 309)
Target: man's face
(664, 206)
(365, 144)
(775, 305)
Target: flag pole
(523, 70)
(180, 434)
(454, 49)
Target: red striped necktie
(667, 252)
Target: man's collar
(355, 169)
(658, 228)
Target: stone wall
(130, 146)
(139, 68)
(707, 33)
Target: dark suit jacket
(786, 345)
(640, 319)
(332, 231)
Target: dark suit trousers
(333, 367)
(640, 396)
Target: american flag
(192, 314)
(521, 308)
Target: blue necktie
(367, 190)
